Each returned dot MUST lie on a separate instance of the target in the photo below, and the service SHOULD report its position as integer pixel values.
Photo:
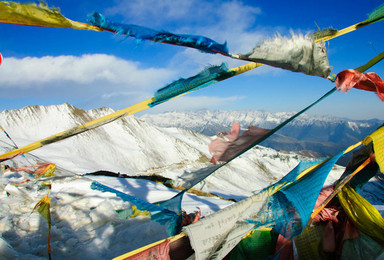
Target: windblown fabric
(369, 171)
(365, 216)
(39, 169)
(225, 228)
(43, 207)
(258, 244)
(46, 169)
(190, 179)
(38, 15)
(227, 145)
(206, 77)
(370, 81)
(326, 32)
(326, 214)
(298, 54)
(201, 43)
(375, 16)
(289, 209)
(158, 213)
(377, 138)
(214, 236)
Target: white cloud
(82, 70)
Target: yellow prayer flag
(377, 138)
(38, 15)
(364, 215)
(43, 208)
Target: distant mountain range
(321, 135)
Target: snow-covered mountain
(133, 146)
(325, 135)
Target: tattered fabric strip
(210, 233)
(201, 43)
(159, 214)
(375, 16)
(227, 145)
(330, 33)
(141, 204)
(295, 54)
(38, 15)
(369, 81)
(336, 190)
(289, 209)
(298, 54)
(377, 138)
(364, 215)
(208, 76)
(46, 169)
(43, 207)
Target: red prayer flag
(370, 81)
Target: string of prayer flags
(286, 205)
(201, 43)
(38, 15)
(370, 81)
(210, 170)
(298, 54)
(216, 234)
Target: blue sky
(47, 66)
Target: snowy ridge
(109, 147)
(132, 146)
